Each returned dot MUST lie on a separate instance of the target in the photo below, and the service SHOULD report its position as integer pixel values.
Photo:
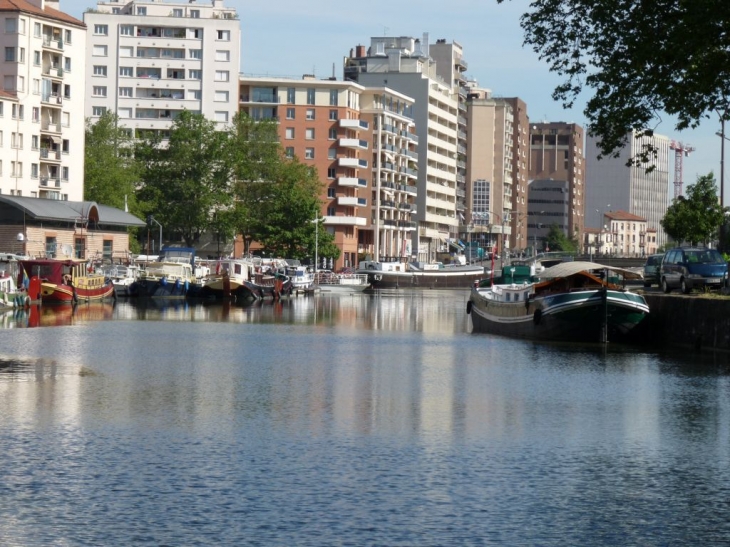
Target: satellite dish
(20, 237)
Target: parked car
(651, 270)
(687, 268)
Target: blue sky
(294, 37)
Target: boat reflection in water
(56, 315)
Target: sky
(291, 38)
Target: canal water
(349, 420)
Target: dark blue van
(687, 268)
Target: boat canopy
(565, 269)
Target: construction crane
(680, 151)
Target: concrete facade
(613, 185)
(42, 101)
(147, 61)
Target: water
(350, 420)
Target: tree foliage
(185, 180)
(696, 218)
(556, 240)
(111, 171)
(638, 58)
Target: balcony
(53, 99)
(407, 224)
(53, 72)
(50, 155)
(258, 99)
(354, 124)
(404, 206)
(344, 221)
(351, 201)
(51, 181)
(53, 43)
(358, 144)
(352, 162)
(50, 127)
(387, 203)
(352, 182)
(412, 136)
(409, 189)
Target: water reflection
(56, 315)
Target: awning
(57, 140)
(564, 269)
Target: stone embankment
(689, 321)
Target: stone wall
(686, 321)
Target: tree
(185, 181)
(639, 58)
(556, 240)
(696, 218)
(284, 222)
(111, 171)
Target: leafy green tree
(111, 171)
(638, 58)
(696, 218)
(185, 181)
(284, 222)
(556, 240)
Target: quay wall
(686, 321)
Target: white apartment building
(611, 185)
(148, 61)
(403, 64)
(41, 101)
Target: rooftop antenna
(333, 71)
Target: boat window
(506, 297)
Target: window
(290, 113)
(36, 114)
(99, 91)
(141, 10)
(126, 51)
(50, 247)
(126, 30)
(16, 168)
(98, 110)
(37, 30)
(34, 142)
(333, 134)
(125, 113)
(16, 140)
(289, 133)
(125, 71)
(224, 35)
(310, 113)
(21, 83)
(196, 53)
(64, 173)
(177, 12)
(332, 153)
(221, 96)
(331, 193)
(99, 51)
(195, 94)
(37, 58)
(21, 56)
(102, 30)
(195, 74)
(331, 211)
(309, 153)
(291, 94)
(310, 95)
(64, 146)
(68, 36)
(333, 115)
(67, 91)
(11, 25)
(22, 26)
(289, 151)
(9, 83)
(125, 91)
(107, 249)
(79, 246)
(67, 64)
(10, 54)
(66, 119)
(333, 97)
(221, 116)
(195, 14)
(221, 75)
(2, 104)
(99, 70)
(222, 55)
(309, 133)
(331, 173)
(34, 170)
